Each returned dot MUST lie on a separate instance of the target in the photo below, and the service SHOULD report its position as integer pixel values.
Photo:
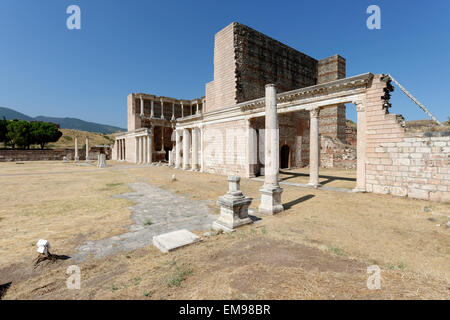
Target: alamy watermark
(374, 20)
(73, 22)
(374, 280)
(74, 280)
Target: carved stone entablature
(355, 82)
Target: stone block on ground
(170, 241)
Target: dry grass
(426, 126)
(318, 248)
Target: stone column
(314, 148)
(117, 149)
(360, 148)
(186, 148)
(162, 138)
(123, 150)
(137, 150)
(182, 110)
(152, 109)
(87, 149)
(173, 111)
(162, 109)
(194, 165)
(271, 190)
(101, 160)
(142, 107)
(177, 149)
(144, 151)
(76, 158)
(202, 156)
(252, 149)
(141, 149)
(150, 146)
(196, 112)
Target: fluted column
(162, 109)
(150, 146)
(186, 148)
(314, 148)
(141, 144)
(177, 149)
(202, 155)
(194, 165)
(360, 147)
(137, 150)
(271, 190)
(145, 144)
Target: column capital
(314, 113)
(360, 107)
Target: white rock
(43, 246)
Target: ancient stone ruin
(224, 131)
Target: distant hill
(64, 123)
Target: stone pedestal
(101, 160)
(270, 199)
(65, 159)
(233, 207)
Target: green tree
(3, 129)
(44, 132)
(18, 133)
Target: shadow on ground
(329, 179)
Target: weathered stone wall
(224, 85)
(43, 155)
(261, 60)
(225, 148)
(134, 121)
(331, 68)
(336, 154)
(416, 165)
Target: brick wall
(261, 60)
(416, 165)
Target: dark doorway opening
(166, 156)
(284, 157)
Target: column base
(270, 199)
(219, 225)
(314, 185)
(359, 190)
(76, 159)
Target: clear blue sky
(166, 48)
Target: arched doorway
(284, 157)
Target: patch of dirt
(280, 254)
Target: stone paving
(156, 211)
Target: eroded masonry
(223, 132)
